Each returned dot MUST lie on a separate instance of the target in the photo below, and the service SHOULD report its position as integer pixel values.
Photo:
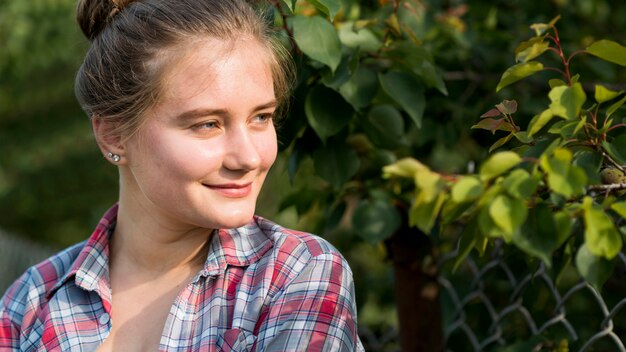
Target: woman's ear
(109, 139)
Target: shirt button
(104, 319)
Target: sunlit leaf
(567, 101)
(601, 237)
(603, 94)
(609, 51)
(517, 72)
(500, 142)
(563, 177)
(520, 184)
(531, 52)
(467, 189)
(508, 213)
(619, 208)
(406, 167)
(498, 164)
(539, 121)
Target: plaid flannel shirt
(262, 288)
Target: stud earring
(114, 157)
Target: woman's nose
(242, 153)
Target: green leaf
(328, 7)
(375, 220)
(520, 184)
(613, 108)
(467, 189)
(541, 28)
(498, 164)
(384, 126)
(487, 227)
(595, 269)
(603, 94)
(601, 237)
(362, 38)
(531, 49)
(619, 208)
(523, 137)
(517, 72)
(591, 163)
(617, 148)
(555, 82)
(429, 185)
(407, 168)
(326, 111)
(508, 213)
(539, 121)
(290, 4)
(361, 88)
(608, 51)
(424, 213)
(336, 163)
(502, 141)
(466, 243)
(567, 101)
(318, 39)
(539, 236)
(419, 60)
(406, 91)
(563, 177)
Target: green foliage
(531, 194)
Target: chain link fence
(498, 304)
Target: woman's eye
(209, 125)
(264, 117)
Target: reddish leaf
(491, 113)
(494, 125)
(507, 107)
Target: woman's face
(203, 153)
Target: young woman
(182, 96)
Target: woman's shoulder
(296, 243)
(40, 278)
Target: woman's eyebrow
(196, 113)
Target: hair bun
(94, 15)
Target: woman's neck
(144, 242)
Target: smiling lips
(232, 190)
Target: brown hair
(120, 78)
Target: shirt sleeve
(12, 307)
(315, 311)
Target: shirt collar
(240, 247)
(91, 266)
(235, 247)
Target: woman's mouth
(231, 190)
